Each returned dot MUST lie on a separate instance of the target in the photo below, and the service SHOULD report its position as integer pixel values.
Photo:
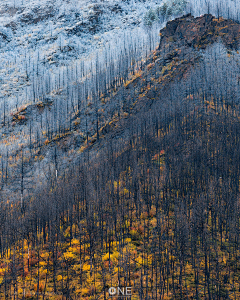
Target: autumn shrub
(21, 117)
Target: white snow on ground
(42, 36)
(48, 47)
(45, 46)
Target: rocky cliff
(201, 32)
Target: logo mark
(120, 291)
(112, 291)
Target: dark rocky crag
(177, 53)
(201, 31)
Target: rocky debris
(98, 9)
(116, 8)
(12, 25)
(201, 31)
(90, 25)
(66, 49)
(4, 36)
(37, 14)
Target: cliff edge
(201, 31)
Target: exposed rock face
(37, 15)
(201, 32)
(4, 36)
(92, 24)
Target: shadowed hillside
(151, 198)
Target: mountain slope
(53, 54)
(50, 132)
(152, 199)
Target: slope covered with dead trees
(151, 202)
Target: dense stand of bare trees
(70, 97)
(176, 164)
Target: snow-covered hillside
(39, 37)
(51, 51)
(63, 54)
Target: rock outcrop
(201, 31)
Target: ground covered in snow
(57, 57)
(46, 49)
(38, 37)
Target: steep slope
(181, 51)
(46, 50)
(152, 199)
(51, 135)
